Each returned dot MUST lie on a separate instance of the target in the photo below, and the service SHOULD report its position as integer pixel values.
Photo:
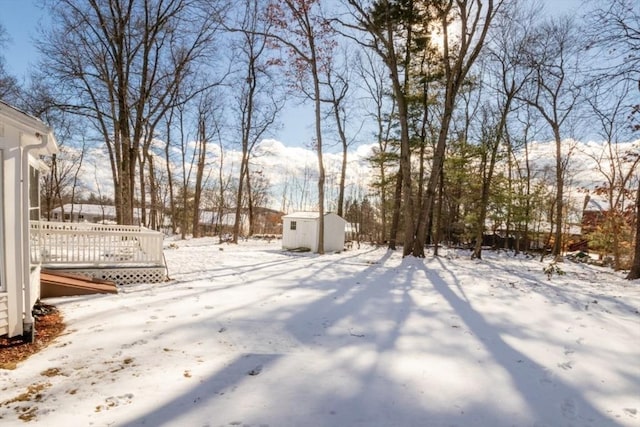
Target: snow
(250, 335)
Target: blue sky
(22, 18)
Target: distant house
(265, 221)
(301, 230)
(593, 214)
(23, 139)
(87, 212)
(84, 212)
(597, 216)
(212, 223)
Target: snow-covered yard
(250, 335)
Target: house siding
(23, 139)
(4, 313)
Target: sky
(21, 19)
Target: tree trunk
(495, 139)
(557, 244)
(395, 220)
(343, 169)
(405, 169)
(172, 198)
(634, 273)
(437, 165)
(143, 187)
(321, 172)
(250, 204)
(456, 67)
(197, 191)
(436, 240)
(239, 195)
(153, 192)
(484, 202)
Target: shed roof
(307, 215)
(303, 215)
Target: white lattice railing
(86, 244)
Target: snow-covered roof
(303, 215)
(88, 209)
(597, 205)
(108, 211)
(306, 215)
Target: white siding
(333, 233)
(12, 233)
(306, 233)
(304, 236)
(21, 135)
(4, 314)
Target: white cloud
(295, 168)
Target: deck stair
(57, 284)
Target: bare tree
(460, 49)
(373, 77)
(304, 32)
(519, 167)
(614, 33)
(223, 184)
(169, 119)
(120, 63)
(618, 167)
(553, 91)
(258, 104)
(337, 81)
(186, 207)
(391, 28)
(207, 127)
(507, 76)
(61, 184)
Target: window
(34, 193)
(293, 225)
(34, 211)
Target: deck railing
(86, 244)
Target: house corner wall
(4, 313)
(12, 236)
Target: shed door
(307, 234)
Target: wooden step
(55, 284)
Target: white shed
(300, 230)
(23, 139)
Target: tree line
(451, 92)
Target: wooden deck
(120, 253)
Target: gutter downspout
(28, 330)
